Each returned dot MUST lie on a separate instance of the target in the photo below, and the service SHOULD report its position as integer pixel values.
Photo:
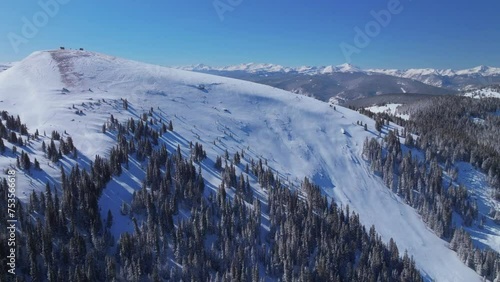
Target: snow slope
(477, 185)
(297, 135)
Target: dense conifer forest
(447, 130)
(183, 230)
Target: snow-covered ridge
(313, 70)
(299, 136)
(410, 73)
(271, 68)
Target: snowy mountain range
(76, 92)
(411, 73)
(271, 68)
(451, 80)
(314, 70)
(339, 84)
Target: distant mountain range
(484, 71)
(346, 82)
(448, 78)
(271, 68)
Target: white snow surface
(299, 136)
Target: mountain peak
(346, 67)
(328, 69)
(481, 68)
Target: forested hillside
(131, 171)
(182, 231)
(442, 135)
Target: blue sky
(426, 33)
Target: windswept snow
(297, 135)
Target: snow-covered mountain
(339, 83)
(272, 68)
(444, 78)
(313, 70)
(455, 79)
(77, 91)
(409, 73)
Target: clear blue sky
(427, 33)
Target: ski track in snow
(297, 135)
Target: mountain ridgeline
(345, 83)
(338, 87)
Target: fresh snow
(297, 135)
